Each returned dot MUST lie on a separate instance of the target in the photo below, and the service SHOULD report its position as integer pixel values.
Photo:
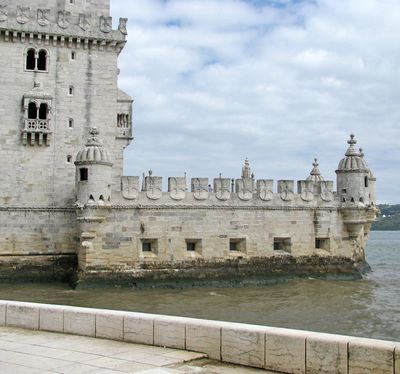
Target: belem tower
(67, 212)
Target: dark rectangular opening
(83, 174)
(191, 246)
(283, 244)
(322, 243)
(233, 246)
(146, 247)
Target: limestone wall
(284, 350)
(42, 175)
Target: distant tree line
(389, 218)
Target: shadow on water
(368, 307)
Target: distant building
(65, 207)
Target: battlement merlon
(60, 19)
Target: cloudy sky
(277, 81)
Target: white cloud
(216, 81)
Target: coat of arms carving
(285, 189)
(326, 191)
(23, 14)
(122, 26)
(200, 188)
(244, 189)
(222, 188)
(43, 17)
(3, 13)
(153, 186)
(64, 19)
(84, 21)
(177, 188)
(306, 188)
(265, 189)
(105, 24)
(130, 187)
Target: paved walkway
(25, 351)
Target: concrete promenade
(25, 351)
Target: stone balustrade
(283, 350)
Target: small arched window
(30, 60)
(32, 111)
(43, 111)
(366, 182)
(42, 60)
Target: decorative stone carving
(177, 188)
(122, 26)
(265, 189)
(326, 190)
(244, 189)
(130, 187)
(84, 21)
(222, 188)
(305, 189)
(43, 17)
(105, 24)
(64, 18)
(3, 13)
(153, 187)
(286, 190)
(23, 14)
(200, 188)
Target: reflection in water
(369, 307)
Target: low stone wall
(284, 350)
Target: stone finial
(352, 151)
(361, 152)
(93, 137)
(150, 173)
(246, 171)
(315, 174)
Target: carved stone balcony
(36, 131)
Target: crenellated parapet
(60, 26)
(226, 190)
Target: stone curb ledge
(283, 350)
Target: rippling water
(368, 307)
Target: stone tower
(355, 181)
(93, 173)
(59, 79)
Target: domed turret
(315, 174)
(355, 182)
(93, 172)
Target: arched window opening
(344, 199)
(352, 200)
(366, 181)
(69, 159)
(71, 90)
(42, 60)
(91, 199)
(43, 111)
(361, 200)
(32, 111)
(84, 175)
(101, 198)
(70, 123)
(30, 60)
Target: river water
(369, 307)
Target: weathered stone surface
(80, 322)
(285, 351)
(52, 319)
(23, 316)
(110, 325)
(243, 345)
(367, 356)
(169, 332)
(326, 354)
(3, 308)
(204, 336)
(139, 328)
(397, 358)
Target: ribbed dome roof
(94, 151)
(315, 174)
(354, 159)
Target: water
(368, 307)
